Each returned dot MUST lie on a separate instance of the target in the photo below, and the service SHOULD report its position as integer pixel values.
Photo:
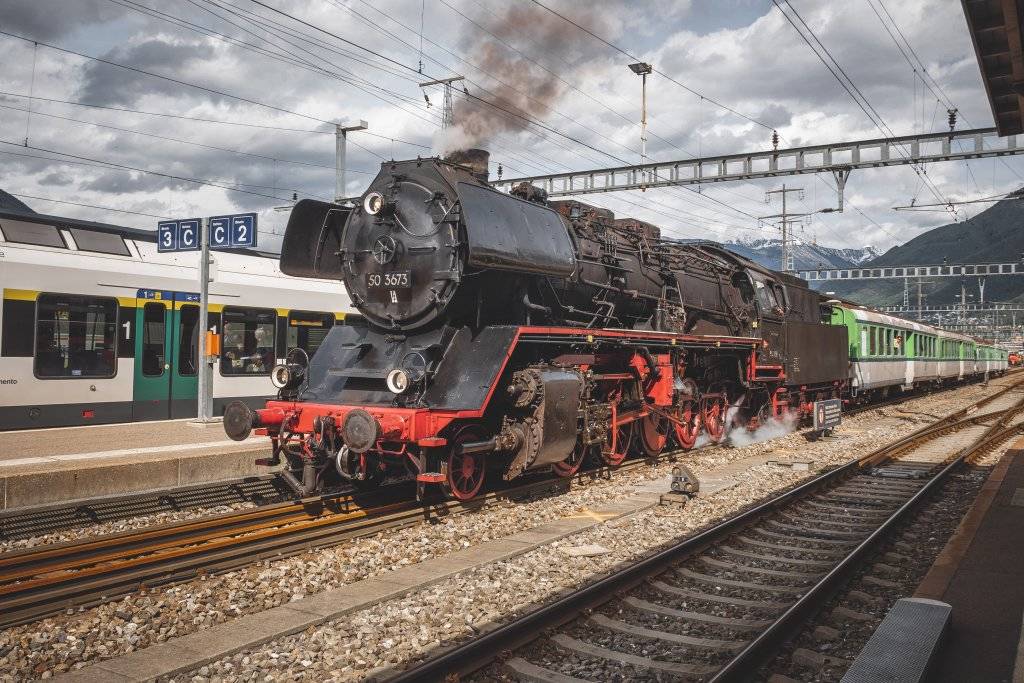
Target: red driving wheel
(465, 471)
(616, 448)
(688, 427)
(714, 417)
(571, 465)
(654, 431)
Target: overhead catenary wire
(200, 119)
(633, 57)
(314, 65)
(22, 195)
(554, 132)
(130, 131)
(940, 94)
(847, 83)
(283, 110)
(554, 74)
(510, 112)
(235, 187)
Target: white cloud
(749, 58)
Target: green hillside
(994, 235)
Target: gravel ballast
(405, 629)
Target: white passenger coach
(96, 326)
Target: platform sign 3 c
(180, 235)
(233, 232)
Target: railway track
(37, 521)
(47, 579)
(716, 606)
(266, 490)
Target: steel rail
(764, 646)
(37, 520)
(24, 523)
(471, 656)
(39, 581)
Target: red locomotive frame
(650, 364)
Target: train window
(307, 329)
(871, 336)
(38, 234)
(76, 336)
(99, 242)
(188, 340)
(154, 332)
(766, 297)
(248, 347)
(780, 296)
(888, 342)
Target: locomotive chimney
(474, 159)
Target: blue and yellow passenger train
(96, 326)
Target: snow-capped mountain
(806, 255)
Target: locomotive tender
(508, 334)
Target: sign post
(237, 231)
(204, 411)
(828, 414)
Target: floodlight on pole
(642, 69)
(340, 144)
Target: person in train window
(234, 352)
(263, 357)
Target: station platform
(980, 572)
(65, 464)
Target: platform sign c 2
(827, 414)
(233, 232)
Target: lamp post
(340, 144)
(642, 69)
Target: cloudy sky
(227, 104)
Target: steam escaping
(525, 90)
(772, 428)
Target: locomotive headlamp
(373, 203)
(398, 381)
(412, 370)
(287, 375)
(280, 376)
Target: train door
(166, 347)
(185, 360)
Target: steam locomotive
(506, 334)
